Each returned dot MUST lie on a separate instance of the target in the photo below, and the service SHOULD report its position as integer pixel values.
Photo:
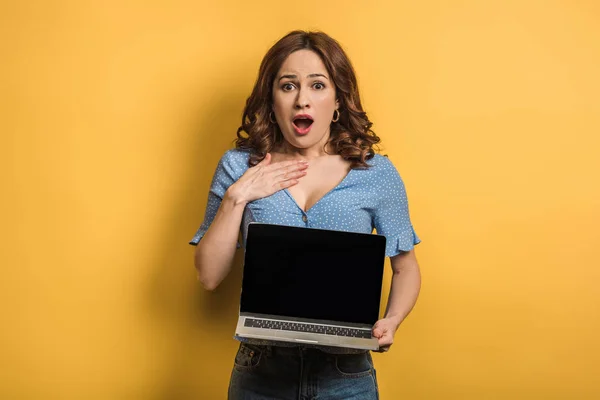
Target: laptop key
(310, 328)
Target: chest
(326, 198)
(321, 178)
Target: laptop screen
(312, 273)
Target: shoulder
(236, 157)
(233, 164)
(383, 177)
(382, 166)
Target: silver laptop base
(316, 339)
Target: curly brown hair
(351, 136)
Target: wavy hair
(350, 137)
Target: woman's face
(304, 99)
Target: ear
(337, 103)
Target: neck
(305, 154)
(318, 150)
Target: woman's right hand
(265, 178)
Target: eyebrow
(296, 76)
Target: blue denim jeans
(299, 373)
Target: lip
(299, 130)
(303, 116)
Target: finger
(286, 184)
(385, 346)
(377, 332)
(385, 341)
(291, 175)
(386, 336)
(289, 166)
(289, 172)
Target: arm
(405, 287)
(214, 254)
(406, 284)
(392, 218)
(213, 257)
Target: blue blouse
(366, 199)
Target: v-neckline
(322, 197)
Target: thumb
(377, 331)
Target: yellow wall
(114, 115)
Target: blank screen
(312, 273)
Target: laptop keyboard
(310, 328)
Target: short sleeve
(391, 215)
(224, 176)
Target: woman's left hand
(384, 331)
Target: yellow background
(114, 115)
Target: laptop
(311, 286)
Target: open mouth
(302, 124)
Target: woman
(307, 159)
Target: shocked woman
(305, 153)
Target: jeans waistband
(303, 350)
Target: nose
(302, 100)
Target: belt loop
(269, 350)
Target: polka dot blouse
(365, 200)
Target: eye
(319, 85)
(287, 87)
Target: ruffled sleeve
(391, 216)
(229, 169)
